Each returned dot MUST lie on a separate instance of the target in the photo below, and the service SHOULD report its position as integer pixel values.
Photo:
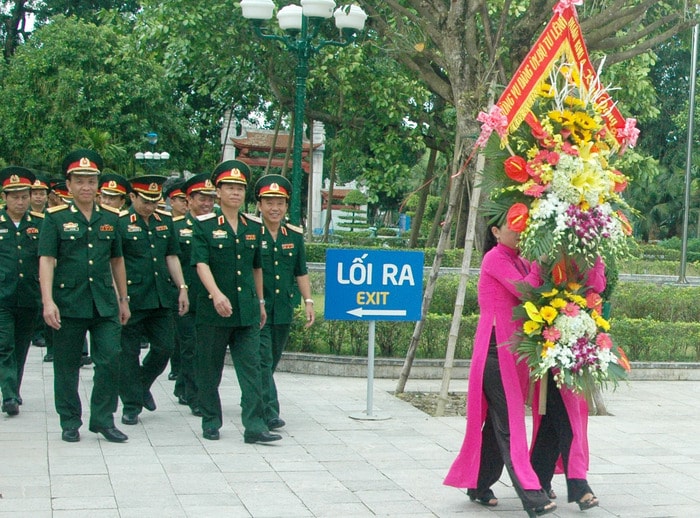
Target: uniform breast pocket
(70, 233)
(135, 244)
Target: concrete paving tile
(83, 503)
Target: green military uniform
(19, 288)
(231, 256)
(146, 244)
(186, 385)
(84, 293)
(172, 190)
(284, 259)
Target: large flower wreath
(556, 184)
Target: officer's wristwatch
(184, 287)
(125, 299)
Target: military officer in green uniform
(155, 284)
(172, 191)
(231, 308)
(284, 276)
(19, 281)
(201, 196)
(113, 190)
(38, 196)
(80, 263)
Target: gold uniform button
(90, 228)
(153, 246)
(19, 247)
(20, 261)
(17, 234)
(276, 263)
(72, 238)
(221, 246)
(239, 289)
(89, 245)
(156, 274)
(90, 279)
(277, 291)
(275, 249)
(90, 262)
(277, 277)
(61, 285)
(150, 233)
(129, 282)
(21, 275)
(155, 259)
(238, 240)
(238, 256)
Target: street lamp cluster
(302, 25)
(152, 160)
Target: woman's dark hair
(489, 239)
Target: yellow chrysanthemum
(532, 312)
(530, 327)
(549, 314)
(557, 303)
(602, 323)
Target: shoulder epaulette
(110, 209)
(37, 214)
(205, 217)
(178, 218)
(57, 208)
(164, 212)
(295, 228)
(123, 213)
(253, 218)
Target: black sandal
(551, 494)
(588, 503)
(541, 511)
(488, 499)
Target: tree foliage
(74, 76)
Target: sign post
(371, 285)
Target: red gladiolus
(622, 360)
(620, 181)
(517, 217)
(516, 168)
(626, 226)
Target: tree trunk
(329, 204)
(439, 214)
(462, 289)
(455, 192)
(425, 189)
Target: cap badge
(84, 162)
(274, 187)
(112, 184)
(208, 184)
(153, 187)
(14, 179)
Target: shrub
(644, 339)
(663, 303)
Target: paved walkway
(645, 459)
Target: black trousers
(495, 437)
(554, 438)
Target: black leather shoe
(182, 400)
(130, 419)
(10, 406)
(112, 434)
(196, 411)
(261, 437)
(172, 376)
(274, 424)
(211, 434)
(48, 357)
(70, 435)
(19, 400)
(148, 402)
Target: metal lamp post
(152, 160)
(302, 25)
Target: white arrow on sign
(360, 312)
